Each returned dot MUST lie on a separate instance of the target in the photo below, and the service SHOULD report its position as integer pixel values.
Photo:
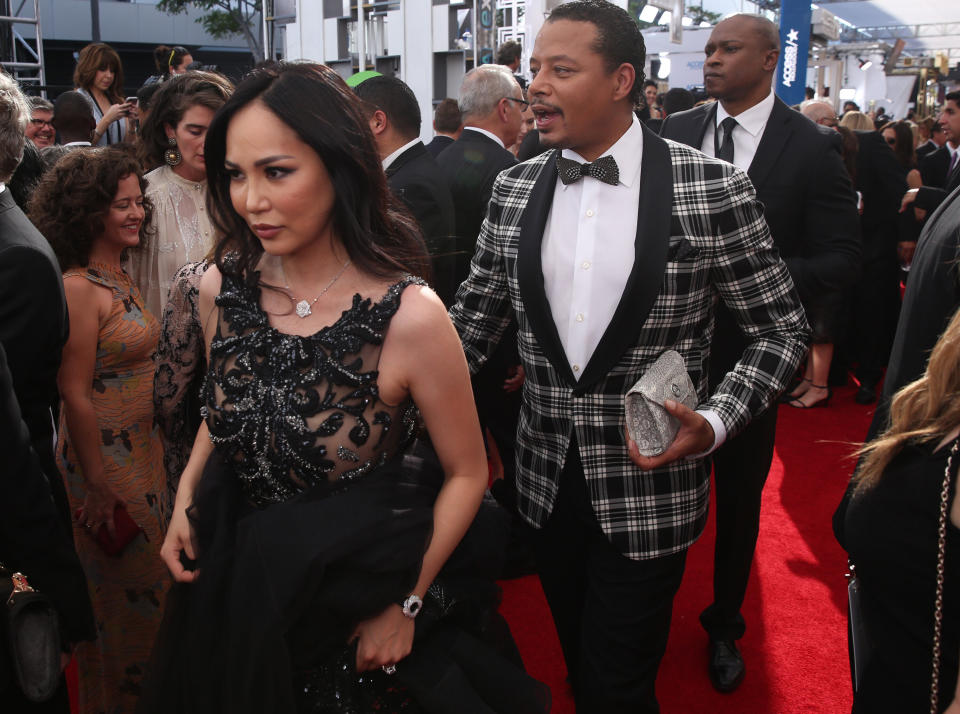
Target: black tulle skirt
(264, 627)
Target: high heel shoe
(797, 404)
(788, 397)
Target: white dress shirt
(747, 133)
(396, 154)
(588, 248)
(485, 133)
(588, 253)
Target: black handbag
(30, 638)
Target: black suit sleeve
(32, 539)
(831, 241)
(929, 198)
(31, 330)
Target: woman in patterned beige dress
(91, 208)
(173, 136)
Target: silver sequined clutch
(649, 424)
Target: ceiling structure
(926, 26)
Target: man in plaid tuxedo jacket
(635, 253)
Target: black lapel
(709, 121)
(691, 126)
(530, 269)
(650, 258)
(775, 136)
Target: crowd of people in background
(228, 303)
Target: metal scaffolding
(20, 55)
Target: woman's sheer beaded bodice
(291, 413)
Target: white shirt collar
(78, 143)
(3, 187)
(396, 154)
(486, 133)
(754, 119)
(627, 151)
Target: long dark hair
(904, 149)
(379, 235)
(171, 102)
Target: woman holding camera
(99, 77)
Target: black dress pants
(612, 613)
(740, 468)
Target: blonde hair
(857, 121)
(923, 411)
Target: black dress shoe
(726, 665)
(865, 395)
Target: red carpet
(795, 646)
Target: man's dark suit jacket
(881, 181)
(33, 330)
(929, 197)
(931, 298)
(934, 167)
(926, 148)
(33, 539)
(415, 179)
(438, 144)
(470, 165)
(808, 200)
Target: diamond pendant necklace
(304, 308)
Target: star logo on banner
(793, 36)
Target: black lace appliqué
(292, 412)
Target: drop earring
(172, 155)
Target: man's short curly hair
(73, 198)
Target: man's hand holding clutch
(694, 437)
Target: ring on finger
(389, 668)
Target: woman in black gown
(305, 532)
(890, 530)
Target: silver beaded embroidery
(292, 412)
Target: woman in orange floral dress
(90, 207)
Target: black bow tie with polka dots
(603, 169)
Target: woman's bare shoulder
(420, 309)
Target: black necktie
(725, 150)
(603, 169)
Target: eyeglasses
(41, 122)
(522, 102)
(892, 141)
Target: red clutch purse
(126, 529)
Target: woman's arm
(178, 370)
(179, 534)
(75, 381)
(423, 356)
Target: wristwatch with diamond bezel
(411, 605)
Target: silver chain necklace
(304, 308)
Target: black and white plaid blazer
(701, 237)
